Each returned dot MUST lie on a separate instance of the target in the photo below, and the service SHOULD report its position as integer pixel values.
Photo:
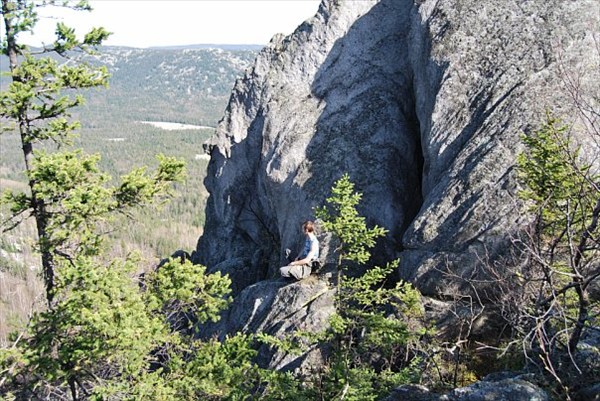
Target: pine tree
(68, 195)
(342, 219)
(36, 107)
(104, 333)
(369, 333)
(562, 193)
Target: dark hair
(308, 226)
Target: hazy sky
(143, 23)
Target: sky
(146, 23)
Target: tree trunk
(37, 205)
(73, 388)
(580, 287)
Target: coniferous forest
(102, 177)
(186, 87)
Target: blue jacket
(307, 246)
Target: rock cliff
(421, 101)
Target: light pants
(297, 271)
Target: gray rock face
(420, 101)
(509, 389)
(333, 97)
(278, 307)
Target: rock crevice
(421, 101)
(336, 96)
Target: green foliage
(372, 327)
(379, 313)
(76, 198)
(110, 336)
(563, 197)
(372, 337)
(35, 104)
(66, 40)
(289, 345)
(18, 202)
(375, 324)
(21, 16)
(216, 371)
(184, 288)
(362, 383)
(99, 319)
(137, 188)
(551, 180)
(335, 382)
(35, 94)
(341, 218)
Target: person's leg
(306, 271)
(300, 271)
(285, 271)
(297, 271)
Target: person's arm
(311, 255)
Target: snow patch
(174, 126)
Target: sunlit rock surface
(421, 102)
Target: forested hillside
(174, 85)
(442, 154)
(179, 85)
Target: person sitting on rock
(301, 267)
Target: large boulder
(279, 308)
(421, 102)
(492, 389)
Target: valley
(159, 101)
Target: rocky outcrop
(333, 97)
(420, 101)
(279, 308)
(497, 389)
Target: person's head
(308, 227)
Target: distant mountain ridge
(230, 47)
(184, 85)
